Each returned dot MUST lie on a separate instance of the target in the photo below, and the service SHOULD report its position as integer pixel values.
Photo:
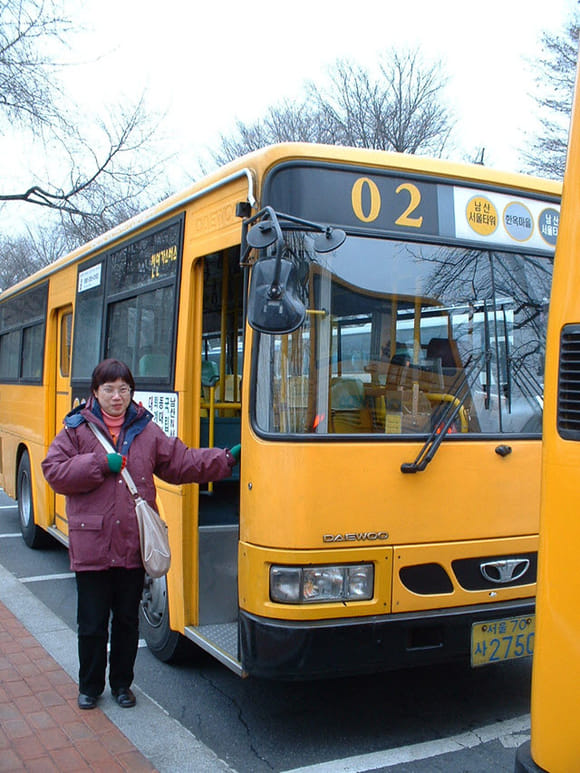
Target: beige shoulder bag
(154, 539)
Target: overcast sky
(204, 65)
(207, 64)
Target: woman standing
(103, 532)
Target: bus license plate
(494, 641)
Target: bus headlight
(298, 585)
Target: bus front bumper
(283, 649)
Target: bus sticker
(163, 406)
(90, 277)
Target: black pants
(115, 592)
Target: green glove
(235, 451)
(116, 462)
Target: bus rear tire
(32, 534)
(167, 645)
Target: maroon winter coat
(103, 531)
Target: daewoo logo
(356, 536)
(505, 571)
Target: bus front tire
(167, 645)
(32, 534)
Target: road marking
(420, 751)
(514, 741)
(8, 507)
(16, 534)
(42, 577)
(140, 645)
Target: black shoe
(124, 697)
(86, 701)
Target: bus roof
(254, 166)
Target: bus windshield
(396, 331)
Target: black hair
(111, 370)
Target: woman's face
(114, 397)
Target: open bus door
(62, 402)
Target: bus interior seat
(349, 410)
(209, 373)
(346, 393)
(399, 375)
(153, 365)
(441, 349)
(443, 353)
(401, 358)
(232, 388)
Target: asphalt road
(451, 718)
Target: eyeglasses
(123, 391)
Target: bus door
(62, 396)
(220, 411)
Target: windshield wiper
(445, 421)
(486, 334)
(508, 358)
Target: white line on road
(2, 536)
(67, 576)
(420, 751)
(170, 748)
(9, 507)
(42, 577)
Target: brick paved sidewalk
(41, 727)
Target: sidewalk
(41, 726)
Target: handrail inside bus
(446, 398)
(212, 405)
(439, 432)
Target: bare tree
(399, 109)
(25, 253)
(556, 73)
(29, 91)
(33, 100)
(286, 122)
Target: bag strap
(125, 474)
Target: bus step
(58, 535)
(219, 640)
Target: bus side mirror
(273, 303)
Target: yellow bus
(372, 327)
(555, 746)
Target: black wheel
(32, 534)
(167, 645)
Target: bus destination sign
(413, 206)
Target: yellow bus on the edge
(555, 742)
(372, 327)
